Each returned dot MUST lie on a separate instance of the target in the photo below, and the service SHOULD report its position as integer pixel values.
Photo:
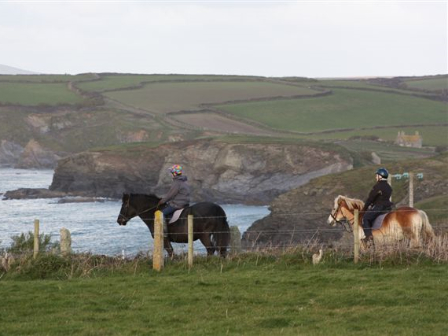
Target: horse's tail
(427, 230)
(221, 236)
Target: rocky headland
(32, 156)
(248, 173)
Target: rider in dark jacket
(379, 200)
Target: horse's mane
(150, 196)
(352, 203)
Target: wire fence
(278, 237)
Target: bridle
(138, 214)
(346, 224)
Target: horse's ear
(337, 200)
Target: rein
(346, 224)
(138, 214)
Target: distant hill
(8, 70)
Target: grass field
(344, 109)
(105, 128)
(169, 97)
(30, 94)
(432, 135)
(244, 296)
(358, 84)
(45, 78)
(76, 131)
(386, 151)
(431, 83)
(364, 84)
(114, 82)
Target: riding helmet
(382, 172)
(176, 170)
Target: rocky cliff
(222, 172)
(9, 153)
(32, 156)
(300, 214)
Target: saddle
(378, 222)
(175, 216)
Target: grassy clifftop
(74, 113)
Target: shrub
(24, 243)
(46, 266)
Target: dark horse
(209, 226)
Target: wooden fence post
(411, 190)
(190, 241)
(36, 238)
(235, 240)
(66, 242)
(157, 256)
(356, 237)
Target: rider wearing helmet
(379, 200)
(178, 196)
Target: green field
(45, 78)
(76, 131)
(244, 296)
(432, 135)
(357, 84)
(169, 97)
(431, 83)
(114, 82)
(344, 109)
(30, 94)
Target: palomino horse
(404, 222)
(210, 222)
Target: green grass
(365, 84)
(432, 135)
(358, 84)
(243, 296)
(76, 131)
(114, 82)
(431, 83)
(344, 109)
(169, 97)
(31, 94)
(45, 78)
(386, 151)
(356, 183)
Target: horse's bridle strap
(138, 214)
(343, 224)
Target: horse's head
(127, 211)
(136, 205)
(336, 214)
(343, 209)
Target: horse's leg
(223, 251)
(168, 247)
(415, 234)
(206, 241)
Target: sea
(93, 225)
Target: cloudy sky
(266, 38)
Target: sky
(318, 39)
